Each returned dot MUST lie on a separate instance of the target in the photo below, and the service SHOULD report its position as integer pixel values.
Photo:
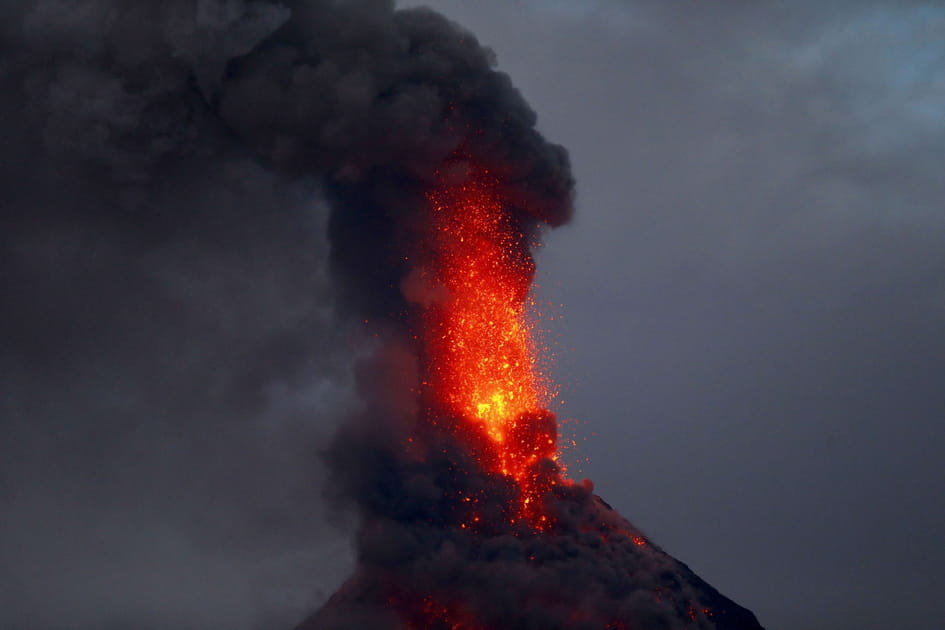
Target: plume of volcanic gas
(439, 185)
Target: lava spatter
(478, 342)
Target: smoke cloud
(198, 196)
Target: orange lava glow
(478, 338)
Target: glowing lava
(473, 526)
(480, 351)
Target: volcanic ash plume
(439, 186)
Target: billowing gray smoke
(368, 100)
(177, 346)
(173, 355)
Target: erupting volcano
(438, 187)
(468, 521)
(396, 127)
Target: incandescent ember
(477, 344)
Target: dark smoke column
(373, 104)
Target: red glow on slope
(434, 616)
(482, 364)
(429, 612)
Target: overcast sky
(754, 285)
(752, 340)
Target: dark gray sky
(754, 285)
(752, 341)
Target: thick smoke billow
(205, 201)
(170, 359)
(196, 196)
(376, 100)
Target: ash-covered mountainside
(443, 545)
(601, 574)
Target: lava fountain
(481, 364)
